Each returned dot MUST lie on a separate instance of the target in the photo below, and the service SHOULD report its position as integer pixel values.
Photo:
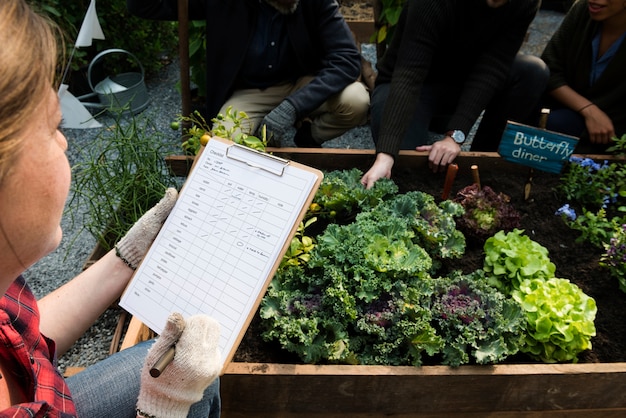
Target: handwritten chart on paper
(220, 246)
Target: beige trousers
(338, 114)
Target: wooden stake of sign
(450, 176)
(543, 121)
(476, 175)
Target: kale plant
(360, 297)
(341, 195)
(475, 319)
(486, 212)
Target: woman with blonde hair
(34, 184)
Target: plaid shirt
(32, 356)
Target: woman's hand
(197, 363)
(381, 168)
(599, 125)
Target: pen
(162, 362)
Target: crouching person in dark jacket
(287, 64)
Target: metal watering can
(125, 91)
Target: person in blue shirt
(586, 93)
(282, 62)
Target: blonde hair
(28, 58)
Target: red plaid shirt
(32, 356)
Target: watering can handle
(106, 52)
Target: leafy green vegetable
(359, 299)
(475, 319)
(559, 319)
(341, 195)
(486, 212)
(512, 257)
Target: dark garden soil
(574, 261)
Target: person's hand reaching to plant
(197, 363)
(380, 169)
(133, 246)
(280, 123)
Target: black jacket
(318, 33)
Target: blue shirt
(599, 64)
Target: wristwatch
(458, 136)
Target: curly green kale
(434, 224)
(368, 279)
(341, 195)
(475, 319)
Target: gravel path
(68, 260)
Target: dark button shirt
(269, 58)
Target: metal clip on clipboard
(257, 159)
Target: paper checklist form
(223, 241)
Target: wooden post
(450, 176)
(183, 56)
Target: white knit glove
(197, 363)
(135, 244)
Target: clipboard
(222, 243)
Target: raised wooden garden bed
(507, 390)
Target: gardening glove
(134, 245)
(280, 123)
(197, 363)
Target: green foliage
(387, 21)
(121, 30)
(341, 195)
(486, 212)
(121, 175)
(513, 257)
(559, 319)
(300, 247)
(594, 228)
(475, 319)
(365, 292)
(360, 297)
(198, 55)
(433, 224)
(591, 185)
(614, 257)
(234, 125)
(598, 191)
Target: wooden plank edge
(345, 158)
(238, 368)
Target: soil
(357, 9)
(574, 261)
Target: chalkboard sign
(535, 147)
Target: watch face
(458, 136)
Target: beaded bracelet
(585, 107)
